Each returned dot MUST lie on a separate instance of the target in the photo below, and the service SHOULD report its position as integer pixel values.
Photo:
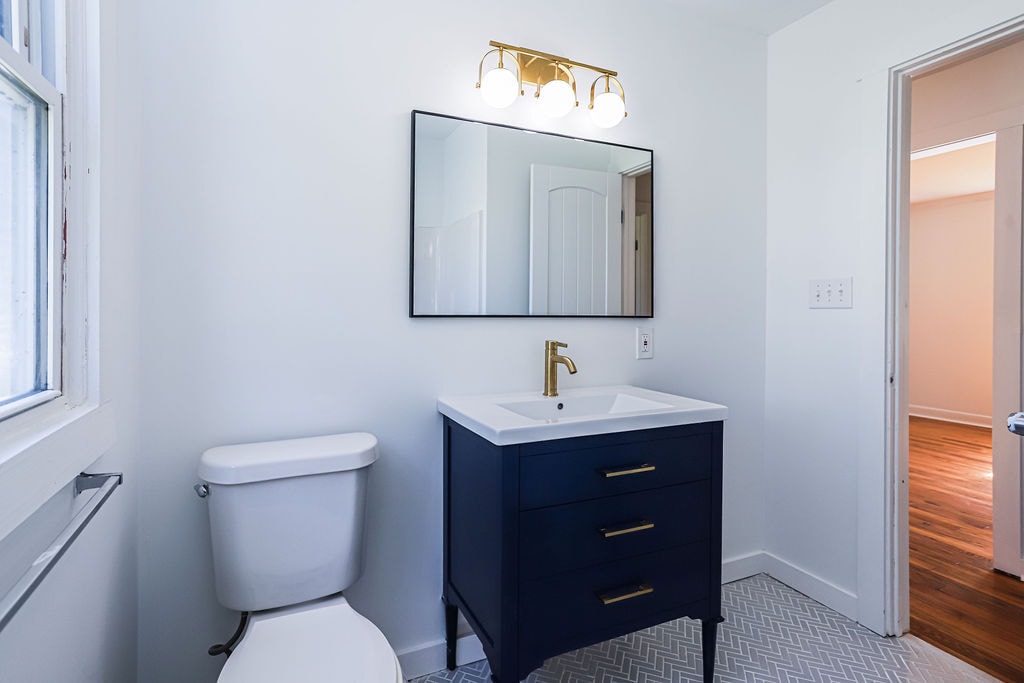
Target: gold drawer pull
(630, 469)
(611, 598)
(642, 525)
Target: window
(5, 20)
(49, 84)
(31, 206)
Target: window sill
(9, 410)
(41, 451)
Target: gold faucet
(551, 357)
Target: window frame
(14, 65)
(45, 446)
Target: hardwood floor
(957, 602)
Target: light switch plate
(836, 292)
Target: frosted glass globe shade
(608, 109)
(499, 87)
(556, 99)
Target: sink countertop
(523, 417)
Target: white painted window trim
(43, 448)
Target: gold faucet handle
(552, 344)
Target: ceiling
(951, 174)
(762, 16)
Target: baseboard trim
(741, 567)
(795, 577)
(814, 587)
(950, 416)
(430, 657)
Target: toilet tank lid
(265, 460)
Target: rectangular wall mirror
(514, 222)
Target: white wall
(950, 315)
(80, 624)
(275, 265)
(825, 369)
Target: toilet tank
(286, 517)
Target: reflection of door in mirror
(637, 246)
(575, 244)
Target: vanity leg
(709, 637)
(451, 625)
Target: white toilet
(286, 519)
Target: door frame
(636, 281)
(896, 551)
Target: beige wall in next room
(951, 308)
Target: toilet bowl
(324, 640)
(286, 525)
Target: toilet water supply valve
(227, 648)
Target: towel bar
(30, 580)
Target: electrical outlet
(834, 292)
(644, 342)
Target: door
(575, 241)
(1006, 353)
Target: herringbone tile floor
(771, 634)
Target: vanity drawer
(579, 474)
(564, 537)
(565, 607)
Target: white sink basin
(567, 406)
(505, 419)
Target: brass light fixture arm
(569, 78)
(501, 56)
(607, 88)
(552, 58)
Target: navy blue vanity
(557, 544)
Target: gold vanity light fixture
(554, 81)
